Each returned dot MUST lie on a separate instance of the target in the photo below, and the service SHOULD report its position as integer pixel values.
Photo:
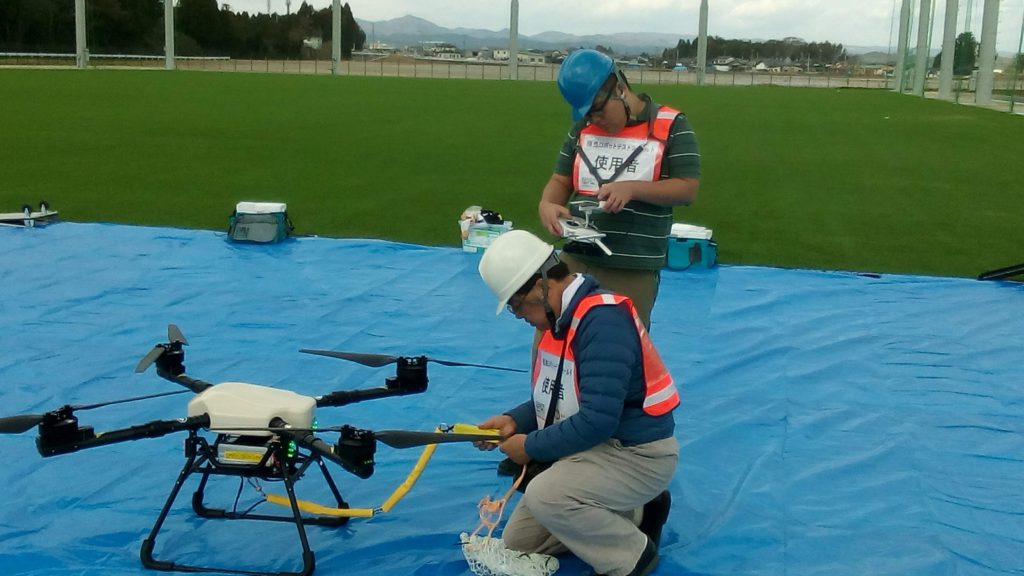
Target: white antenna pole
(336, 38)
(987, 56)
(702, 42)
(948, 50)
(901, 46)
(169, 34)
(81, 46)
(921, 62)
(513, 42)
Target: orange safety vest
(660, 394)
(608, 151)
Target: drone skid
(279, 459)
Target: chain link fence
(1005, 93)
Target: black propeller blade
(24, 422)
(19, 424)
(411, 439)
(394, 438)
(378, 360)
(175, 339)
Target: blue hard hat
(582, 74)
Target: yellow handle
(471, 429)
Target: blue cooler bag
(691, 247)
(259, 222)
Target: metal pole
(901, 46)
(513, 42)
(702, 42)
(987, 57)
(948, 50)
(169, 34)
(1020, 44)
(81, 45)
(335, 37)
(921, 61)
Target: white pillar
(81, 45)
(924, 30)
(987, 56)
(169, 34)
(948, 50)
(336, 37)
(513, 42)
(901, 47)
(702, 42)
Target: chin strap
(548, 312)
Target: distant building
(523, 56)
(441, 50)
(381, 47)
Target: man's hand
(505, 426)
(550, 213)
(615, 195)
(552, 202)
(515, 448)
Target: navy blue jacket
(609, 367)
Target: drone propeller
(411, 439)
(24, 422)
(378, 360)
(175, 339)
(394, 438)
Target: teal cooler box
(691, 247)
(259, 222)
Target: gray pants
(589, 504)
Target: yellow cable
(411, 479)
(398, 494)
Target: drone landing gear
(279, 462)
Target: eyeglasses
(516, 301)
(597, 108)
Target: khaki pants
(589, 504)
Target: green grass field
(813, 178)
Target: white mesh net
(488, 556)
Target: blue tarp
(832, 423)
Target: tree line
(791, 49)
(202, 28)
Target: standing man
(639, 158)
(636, 157)
(600, 415)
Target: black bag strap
(618, 171)
(625, 164)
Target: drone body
(239, 408)
(261, 433)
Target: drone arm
(192, 384)
(354, 452)
(66, 437)
(343, 397)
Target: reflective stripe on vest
(660, 394)
(607, 152)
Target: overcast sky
(850, 22)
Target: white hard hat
(510, 261)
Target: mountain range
(412, 30)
